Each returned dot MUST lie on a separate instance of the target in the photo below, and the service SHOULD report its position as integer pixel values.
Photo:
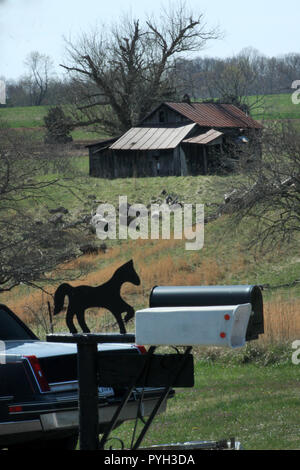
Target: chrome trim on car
(72, 385)
(46, 410)
(19, 427)
(63, 386)
(70, 419)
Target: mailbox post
(87, 364)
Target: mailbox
(206, 296)
(182, 326)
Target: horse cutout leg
(81, 321)
(106, 295)
(121, 324)
(69, 321)
(130, 314)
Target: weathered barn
(176, 139)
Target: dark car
(39, 389)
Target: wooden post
(50, 317)
(88, 396)
(204, 160)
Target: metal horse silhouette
(106, 295)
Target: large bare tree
(124, 71)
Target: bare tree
(32, 244)
(40, 69)
(268, 198)
(236, 80)
(124, 71)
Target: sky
(271, 26)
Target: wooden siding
(123, 164)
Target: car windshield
(11, 328)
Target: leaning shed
(176, 139)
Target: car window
(11, 328)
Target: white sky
(271, 26)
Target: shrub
(58, 126)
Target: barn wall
(127, 164)
(194, 159)
(187, 159)
(101, 164)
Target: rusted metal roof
(152, 138)
(205, 138)
(215, 115)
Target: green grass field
(272, 107)
(276, 107)
(259, 406)
(32, 119)
(24, 116)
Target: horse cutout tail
(59, 297)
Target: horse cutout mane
(106, 295)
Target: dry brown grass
(282, 320)
(157, 264)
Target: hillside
(271, 107)
(224, 259)
(31, 119)
(275, 107)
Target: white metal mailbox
(190, 326)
